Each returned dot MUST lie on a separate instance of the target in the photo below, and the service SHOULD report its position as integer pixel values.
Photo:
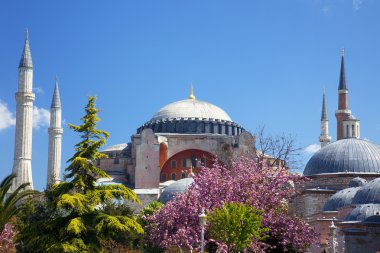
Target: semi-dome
(369, 193)
(340, 199)
(363, 212)
(357, 182)
(346, 155)
(117, 147)
(176, 187)
(191, 108)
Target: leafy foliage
(143, 240)
(236, 225)
(264, 188)
(8, 204)
(73, 219)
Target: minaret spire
(55, 139)
(324, 115)
(342, 77)
(324, 138)
(22, 165)
(343, 113)
(191, 91)
(26, 57)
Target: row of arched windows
(173, 176)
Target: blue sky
(263, 62)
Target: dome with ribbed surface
(369, 193)
(346, 155)
(362, 212)
(340, 199)
(191, 108)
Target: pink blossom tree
(6, 238)
(176, 224)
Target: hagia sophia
(343, 193)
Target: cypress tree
(73, 219)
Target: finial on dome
(342, 51)
(191, 91)
(191, 173)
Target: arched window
(174, 164)
(163, 177)
(183, 175)
(173, 176)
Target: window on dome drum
(203, 161)
(183, 175)
(184, 162)
(193, 161)
(174, 164)
(163, 177)
(173, 176)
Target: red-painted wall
(175, 164)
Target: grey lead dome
(175, 188)
(346, 155)
(369, 193)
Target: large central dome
(346, 155)
(192, 116)
(191, 108)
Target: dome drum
(193, 126)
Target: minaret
(22, 165)
(343, 113)
(55, 139)
(324, 138)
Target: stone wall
(360, 238)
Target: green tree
(75, 219)
(9, 205)
(142, 240)
(236, 225)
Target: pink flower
(268, 189)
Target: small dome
(369, 193)
(357, 182)
(191, 108)
(346, 155)
(176, 187)
(363, 212)
(340, 199)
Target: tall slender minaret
(55, 139)
(343, 113)
(324, 138)
(22, 165)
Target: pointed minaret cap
(342, 78)
(324, 116)
(191, 96)
(26, 57)
(56, 102)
